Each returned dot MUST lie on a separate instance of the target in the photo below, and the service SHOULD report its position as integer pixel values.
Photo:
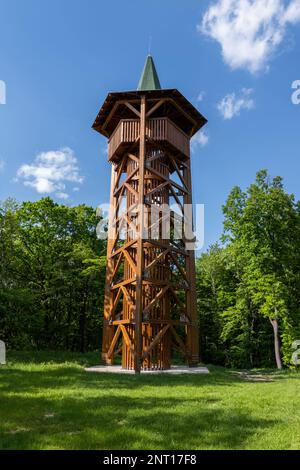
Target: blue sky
(235, 62)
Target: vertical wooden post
(140, 249)
(108, 329)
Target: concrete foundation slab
(175, 370)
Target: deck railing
(160, 129)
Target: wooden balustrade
(159, 129)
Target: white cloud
(200, 139)
(232, 104)
(62, 195)
(2, 165)
(249, 31)
(200, 97)
(292, 13)
(50, 172)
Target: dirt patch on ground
(251, 377)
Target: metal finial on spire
(150, 45)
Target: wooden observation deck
(158, 129)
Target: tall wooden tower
(150, 295)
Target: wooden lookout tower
(150, 294)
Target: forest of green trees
(52, 275)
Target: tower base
(174, 370)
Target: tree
(50, 299)
(262, 226)
(216, 290)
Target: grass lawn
(47, 401)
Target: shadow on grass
(56, 357)
(65, 407)
(113, 422)
(64, 375)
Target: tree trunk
(274, 323)
(69, 316)
(82, 323)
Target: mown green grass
(48, 401)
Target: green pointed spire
(149, 80)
